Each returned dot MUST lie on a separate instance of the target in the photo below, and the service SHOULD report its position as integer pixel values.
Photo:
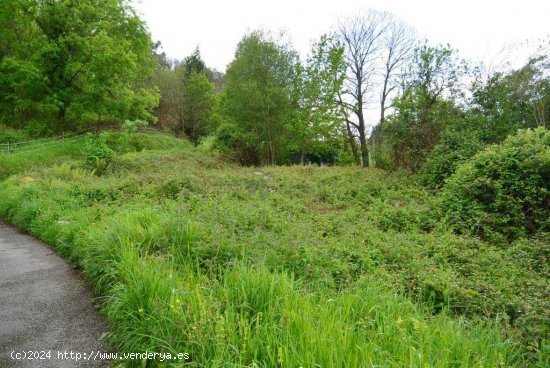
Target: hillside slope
(278, 266)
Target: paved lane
(44, 306)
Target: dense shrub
(98, 154)
(457, 144)
(503, 192)
(237, 145)
(132, 126)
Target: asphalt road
(44, 307)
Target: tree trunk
(364, 148)
(352, 143)
(271, 152)
(61, 118)
(383, 99)
(362, 136)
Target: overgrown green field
(279, 266)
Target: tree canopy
(73, 62)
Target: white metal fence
(37, 144)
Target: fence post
(9, 151)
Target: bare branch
(399, 41)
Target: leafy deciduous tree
(318, 115)
(257, 99)
(198, 106)
(84, 60)
(425, 107)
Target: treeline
(189, 94)
(268, 108)
(369, 93)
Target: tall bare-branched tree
(377, 47)
(362, 38)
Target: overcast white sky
(478, 28)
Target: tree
(362, 37)
(194, 63)
(514, 100)
(315, 131)
(170, 82)
(198, 106)
(398, 43)
(188, 95)
(426, 106)
(257, 99)
(79, 60)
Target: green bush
(38, 128)
(132, 126)
(455, 147)
(237, 145)
(503, 192)
(98, 154)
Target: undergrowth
(280, 266)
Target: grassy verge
(288, 266)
